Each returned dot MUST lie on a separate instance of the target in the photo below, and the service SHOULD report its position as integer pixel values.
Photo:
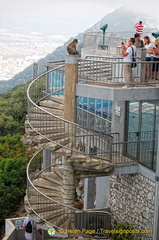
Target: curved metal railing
(51, 129)
(39, 203)
(71, 131)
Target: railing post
(142, 55)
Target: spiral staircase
(75, 153)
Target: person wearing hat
(139, 27)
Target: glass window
(141, 132)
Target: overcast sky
(80, 13)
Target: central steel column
(71, 79)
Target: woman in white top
(149, 53)
(155, 67)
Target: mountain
(27, 74)
(123, 19)
(119, 20)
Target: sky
(66, 16)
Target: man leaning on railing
(128, 52)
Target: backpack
(133, 64)
(29, 227)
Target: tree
(12, 184)
(11, 146)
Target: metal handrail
(30, 184)
(28, 177)
(59, 118)
(110, 70)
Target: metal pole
(142, 69)
(156, 210)
(103, 37)
(43, 237)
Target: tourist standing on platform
(139, 27)
(149, 54)
(128, 53)
(138, 42)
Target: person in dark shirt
(138, 42)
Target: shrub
(123, 236)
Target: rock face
(132, 199)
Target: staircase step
(50, 193)
(44, 184)
(54, 216)
(41, 200)
(59, 172)
(90, 163)
(93, 169)
(42, 114)
(51, 137)
(104, 166)
(45, 130)
(39, 209)
(52, 178)
(40, 117)
(51, 104)
(50, 110)
(58, 98)
(56, 112)
(43, 123)
(78, 158)
(45, 178)
(54, 145)
(63, 222)
(82, 175)
(63, 151)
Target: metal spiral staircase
(75, 153)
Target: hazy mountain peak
(124, 19)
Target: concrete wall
(10, 230)
(118, 119)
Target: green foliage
(12, 184)
(12, 174)
(123, 236)
(13, 108)
(11, 146)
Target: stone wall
(132, 200)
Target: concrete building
(97, 145)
